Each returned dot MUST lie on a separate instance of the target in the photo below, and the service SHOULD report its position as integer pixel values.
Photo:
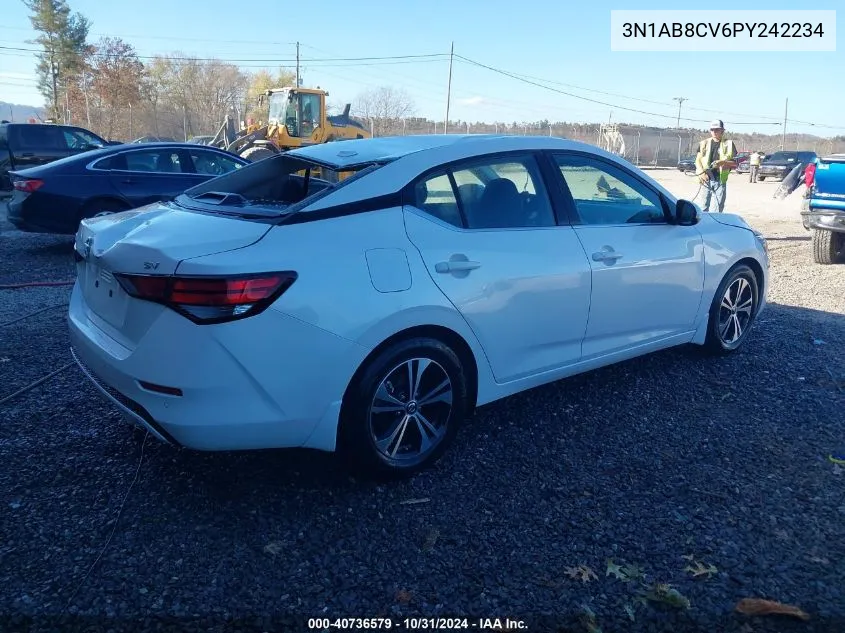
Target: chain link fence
(643, 146)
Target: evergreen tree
(63, 38)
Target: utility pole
(680, 101)
(297, 64)
(449, 88)
(783, 138)
(85, 90)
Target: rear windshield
(275, 186)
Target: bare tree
(384, 107)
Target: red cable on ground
(33, 284)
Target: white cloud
(471, 101)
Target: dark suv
(25, 145)
(779, 164)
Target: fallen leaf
(625, 573)
(275, 548)
(633, 572)
(615, 570)
(430, 540)
(403, 596)
(582, 572)
(700, 570)
(759, 606)
(629, 609)
(665, 593)
(588, 619)
(689, 557)
(4, 360)
(409, 502)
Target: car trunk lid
(151, 240)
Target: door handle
(27, 155)
(456, 266)
(605, 256)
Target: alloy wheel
(736, 311)
(410, 411)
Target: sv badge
(150, 265)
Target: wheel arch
(759, 275)
(441, 333)
(110, 198)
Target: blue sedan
(55, 197)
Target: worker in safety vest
(713, 163)
(754, 165)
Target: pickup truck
(823, 211)
(24, 145)
(779, 164)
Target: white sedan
(285, 305)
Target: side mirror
(686, 213)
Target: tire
(256, 153)
(362, 429)
(828, 246)
(761, 178)
(723, 318)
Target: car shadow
(230, 475)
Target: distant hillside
(20, 113)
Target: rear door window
(166, 161)
(35, 137)
(212, 163)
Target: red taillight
(27, 186)
(810, 174)
(210, 299)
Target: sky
(565, 47)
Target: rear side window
(212, 163)
(436, 197)
(38, 137)
(154, 161)
(494, 193)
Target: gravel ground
(643, 463)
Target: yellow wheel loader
(296, 117)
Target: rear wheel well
(440, 333)
(99, 202)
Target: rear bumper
(824, 219)
(270, 381)
(28, 216)
(131, 410)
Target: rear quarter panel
(336, 291)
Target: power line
(569, 94)
(163, 38)
(268, 61)
(525, 79)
